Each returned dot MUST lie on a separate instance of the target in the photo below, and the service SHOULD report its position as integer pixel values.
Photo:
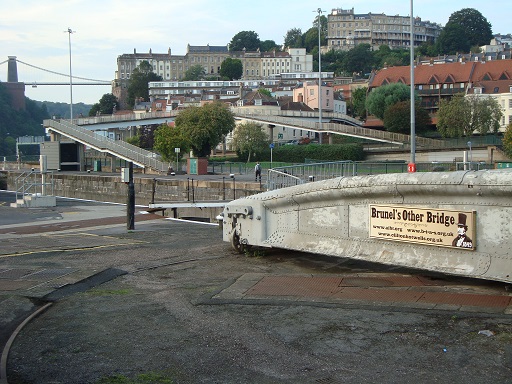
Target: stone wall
(111, 189)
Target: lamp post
(243, 66)
(319, 10)
(412, 164)
(470, 155)
(69, 32)
(177, 151)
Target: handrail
(121, 149)
(287, 179)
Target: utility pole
(69, 31)
(412, 164)
(319, 10)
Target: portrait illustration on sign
(462, 240)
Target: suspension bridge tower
(14, 87)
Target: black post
(188, 189)
(193, 196)
(234, 189)
(130, 207)
(223, 188)
(153, 192)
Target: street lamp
(319, 10)
(69, 32)
(470, 155)
(412, 164)
(177, 151)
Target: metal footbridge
(118, 148)
(83, 130)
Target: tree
(247, 40)
(105, 106)
(169, 137)
(265, 91)
(231, 68)
(486, 114)
(452, 40)
(474, 25)
(205, 127)
(138, 86)
(379, 99)
(311, 39)
(397, 118)
(427, 49)
(293, 38)
(268, 45)
(15, 123)
(359, 102)
(333, 61)
(323, 29)
(359, 59)
(248, 139)
(195, 72)
(387, 57)
(507, 140)
(461, 116)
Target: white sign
(441, 227)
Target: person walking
(257, 171)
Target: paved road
(172, 301)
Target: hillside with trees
(14, 123)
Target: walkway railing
(280, 177)
(32, 182)
(121, 149)
(348, 130)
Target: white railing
(122, 149)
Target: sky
(36, 31)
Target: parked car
(292, 142)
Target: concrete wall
(111, 189)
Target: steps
(35, 201)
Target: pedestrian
(257, 171)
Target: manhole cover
(365, 282)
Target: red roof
(446, 73)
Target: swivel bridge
(450, 222)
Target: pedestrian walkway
(369, 289)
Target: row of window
(351, 21)
(276, 64)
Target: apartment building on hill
(346, 29)
(256, 65)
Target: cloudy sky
(34, 31)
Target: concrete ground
(170, 302)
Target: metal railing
(27, 183)
(349, 130)
(280, 177)
(122, 149)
